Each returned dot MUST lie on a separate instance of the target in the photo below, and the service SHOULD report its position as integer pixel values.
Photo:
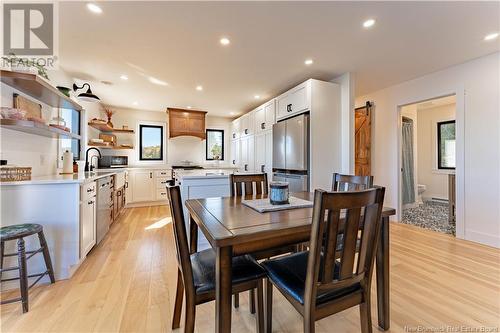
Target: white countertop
(76, 178)
(203, 173)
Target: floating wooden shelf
(103, 146)
(107, 128)
(33, 127)
(38, 88)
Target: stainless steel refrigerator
(291, 152)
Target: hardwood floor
(128, 284)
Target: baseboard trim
(483, 238)
(146, 204)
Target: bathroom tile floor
(429, 215)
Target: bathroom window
(215, 145)
(150, 143)
(446, 144)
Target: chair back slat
(337, 215)
(180, 235)
(351, 183)
(248, 182)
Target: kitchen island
(58, 203)
(203, 183)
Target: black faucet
(87, 167)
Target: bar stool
(19, 231)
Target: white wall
(435, 180)
(177, 149)
(479, 79)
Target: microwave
(113, 162)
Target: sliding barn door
(363, 133)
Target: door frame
(459, 93)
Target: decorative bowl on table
(279, 193)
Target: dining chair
(242, 185)
(315, 282)
(351, 183)
(196, 272)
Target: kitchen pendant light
(87, 96)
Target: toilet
(420, 189)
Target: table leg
(383, 304)
(193, 236)
(223, 288)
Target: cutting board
(33, 110)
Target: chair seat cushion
(289, 274)
(245, 269)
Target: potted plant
(109, 112)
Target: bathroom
(428, 164)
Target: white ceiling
(178, 43)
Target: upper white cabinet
(265, 117)
(294, 101)
(235, 129)
(247, 124)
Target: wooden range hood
(186, 122)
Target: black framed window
(214, 145)
(446, 144)
(150, 143)
(72, 119)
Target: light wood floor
(128, 284)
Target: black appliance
(113, 162)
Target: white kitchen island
(203, 183)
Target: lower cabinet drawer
(163, 173)
(161, 194)
(161, 182)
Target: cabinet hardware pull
(289, 108)
(234, 161)
(126, 184)
(246, 167)
(263, 126)
(90, 202)
(262, 168)
(234, 135)
(150, 175)
(89, 190)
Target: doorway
(428, 163)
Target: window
(72, 119)
(150, 143)
(215, 145)
(446, 144)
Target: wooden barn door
(362, 154)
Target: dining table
(234, 229)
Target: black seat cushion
(289, 274)
(245, 269)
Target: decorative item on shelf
(87, 96)
(98, 121)
(75, 167)
(33, 110)
(12, 113)
(25, 66)
(108, 138)
(125, 127)
(126, 145)
(96, 140)
(109, 113)
(11, 173)
(59, 122)
(64, 90)
(279, 193)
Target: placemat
(263, 205)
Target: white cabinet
(294, 101)
(247, 123)
(247, 147)
(235, 129)
(264, 153)
(143, 186)
(265, 117)
(235, 153)
(87, 218)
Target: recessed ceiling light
(308, 62)
(124, 77)
(257, 97)
(135, 103)
(491, 36)
(199, 88)
(189, 106)
(369, 23)
(157, 81)
(94, 8)
(225, 41)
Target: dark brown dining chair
(351, 183)
(315, 282)
(241, 185)
(196, 272)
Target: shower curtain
(408, 166)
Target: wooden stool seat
(19, 231)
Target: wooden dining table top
(227, 222)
